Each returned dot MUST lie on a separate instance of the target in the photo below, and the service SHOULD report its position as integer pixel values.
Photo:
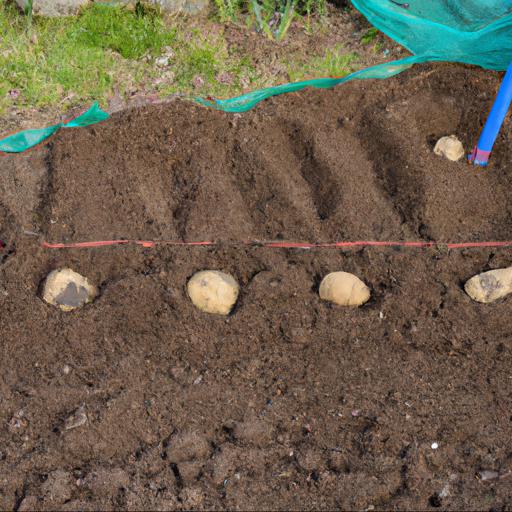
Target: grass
(227, 10)
(209, 59)
(333, 63)
(39, 63)
(274, 17)
(122, 31)
(369, 36)
(60, 62)
(84, 57)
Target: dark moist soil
(139, 401)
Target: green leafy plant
(227, 9)
(313, 7)
(274, 17)
(29, 9)
(334, 63)
(369, 36)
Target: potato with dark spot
(450, 147)
(68, 290)
(490, 286)
(213, 291)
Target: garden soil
(139, 401)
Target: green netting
(249, 100)
(29, 138)
(469, 31)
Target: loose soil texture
(140, 402)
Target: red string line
(277, 245)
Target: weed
(29, 10)
(334, 63)
(369, 36)
(227, 9)
(209, 60)
(313, 7)
(273, 17)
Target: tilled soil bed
(139, 401)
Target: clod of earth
(344, 289)
(213, 291)
(490, 286)
(450, 147)
(68, 290)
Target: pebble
(162, 62)
(77, 419)
(487, 474)
(450, 147)
(197, 82)
(68, 290)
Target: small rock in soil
(77, 419)
(344, 289)
(18, 422)
(162, 62)
(68, 290)
(487, 474)
(490, 286)
(198, 82)
(213, 291)
(450, 147)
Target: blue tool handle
(481, 153)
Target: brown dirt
(139, 401)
